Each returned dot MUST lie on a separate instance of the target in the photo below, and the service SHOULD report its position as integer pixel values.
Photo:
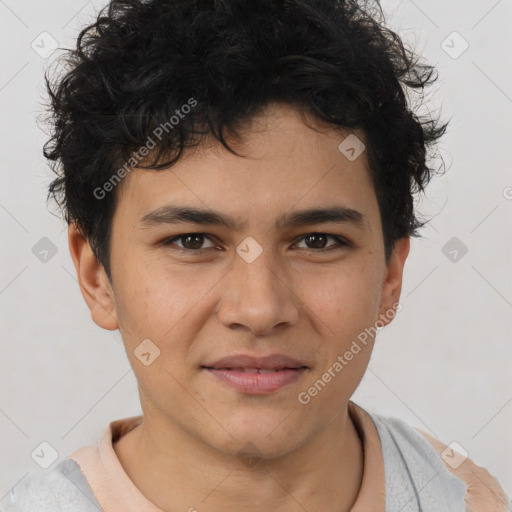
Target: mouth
(255, 370)
(255, 374)
(256, 381)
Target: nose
(258, 297)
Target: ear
(93, 281)
(392, 285)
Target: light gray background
(444, 364)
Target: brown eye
(190, 241)
(318, 241)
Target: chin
(264, 438)
(250, 451)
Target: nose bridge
(258, 270)
(259, 295)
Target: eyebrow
(172, 214)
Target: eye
(191, 241)
(318, 241)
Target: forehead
(283, 165)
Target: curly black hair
(142, 62)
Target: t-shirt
(404, 469)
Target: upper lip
(272, 362)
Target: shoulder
(484, 492)
(62, 488)
(409, 446)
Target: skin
(293, 299)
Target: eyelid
(342, 241)
(172, 239)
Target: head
(264, 115)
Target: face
(270, 282)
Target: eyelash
(342, 242)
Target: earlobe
(392, 285)
(93, 282)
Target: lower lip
(257, 383)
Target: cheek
(347, 300)
(169, 309)
(344, 311)
(151, 301)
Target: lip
(257, 383)
(230, 371)
(271, 362)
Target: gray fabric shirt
(415, 476)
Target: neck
(177, 472)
